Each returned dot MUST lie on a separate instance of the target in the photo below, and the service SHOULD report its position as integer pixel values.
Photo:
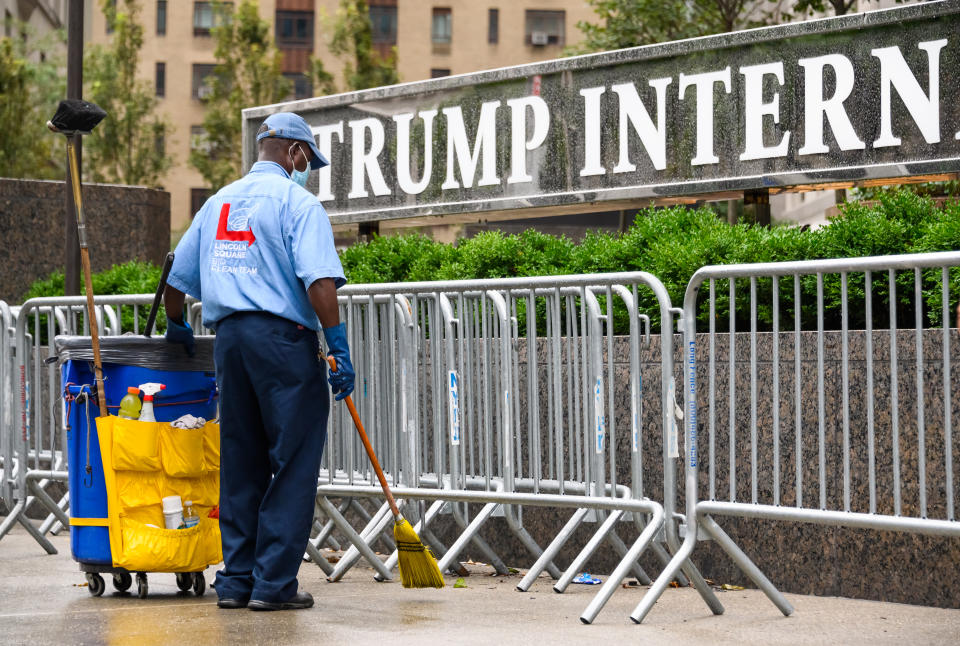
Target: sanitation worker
(260, 256)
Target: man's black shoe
(231, 604)
(299, 601)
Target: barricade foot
(552, 549)
(581, 559)
(746, 565)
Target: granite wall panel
(123, 223)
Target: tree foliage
(29, 91)
(248, 73)
(629, 23)
(352, 41)
(128, 146)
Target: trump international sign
(848, 99)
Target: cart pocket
(136, 446)
(211, 447)
(203, 491)
(169, 550)
(182, 451)
(138, 489)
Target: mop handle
(366, 445)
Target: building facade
(430, 39)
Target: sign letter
(365, 161)
(324, 135)
(519, 142)
(591, 131)
(407, 185)
(704, 84)
(484, 146)
(632, 110)
(755, 110)
(925, 110)
(815, 107)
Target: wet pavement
(44, 600)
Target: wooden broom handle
(366, 445)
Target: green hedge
(672, 243)
(129, 278)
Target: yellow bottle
(130, 404)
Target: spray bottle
(149, 390)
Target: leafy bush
(128, 278)
(672, 243)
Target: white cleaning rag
(188, 421)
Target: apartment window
(302, 86)
(383, 18)
(205, 17)
(161, 79)
(197, 197)
(198, 139)
(7, 23)
(161, 17)
(201, 80)
(441, 29)
(439, 72)
(545, 27)
(493, 26)
(113, 6)
(160, 145)
(295, 29)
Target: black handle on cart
(167, 264)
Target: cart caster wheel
(142, 585)
(184, 581)
(96, 584)
(122, 581)
(199, 584)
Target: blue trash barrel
(127, 361)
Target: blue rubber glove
(341, 381)
(181, 333)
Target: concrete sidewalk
(43, 600)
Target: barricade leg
(17, 515)
(45, 498)
(318, 558)
(581, 559)
(355, 538)
(552, 549)
(520, 532)
(622, 550)
(481, 544)
(613, 581)
(378, 523)
(52, 523)
(746, 565)
(466, 536)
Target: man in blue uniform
(260, 256)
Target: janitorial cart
(121, 470)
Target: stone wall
(123, 223)
(801, 558)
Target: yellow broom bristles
(418, 568)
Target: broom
(418, 568)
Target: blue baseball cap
(287, 125)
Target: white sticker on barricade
(454, 398)
(635, 426)
(673, 446)
(600, 422)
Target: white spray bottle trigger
(149, 390)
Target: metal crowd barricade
(474, 443)
(33, 438)
(771, 472)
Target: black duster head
(74, 115)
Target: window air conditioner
(204, 91)
(539, 38)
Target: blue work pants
(273, 424)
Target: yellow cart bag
(144, 462)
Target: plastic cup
(172, 512)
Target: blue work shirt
(256, 246)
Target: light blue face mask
(300, 176)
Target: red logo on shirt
(224, 234)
